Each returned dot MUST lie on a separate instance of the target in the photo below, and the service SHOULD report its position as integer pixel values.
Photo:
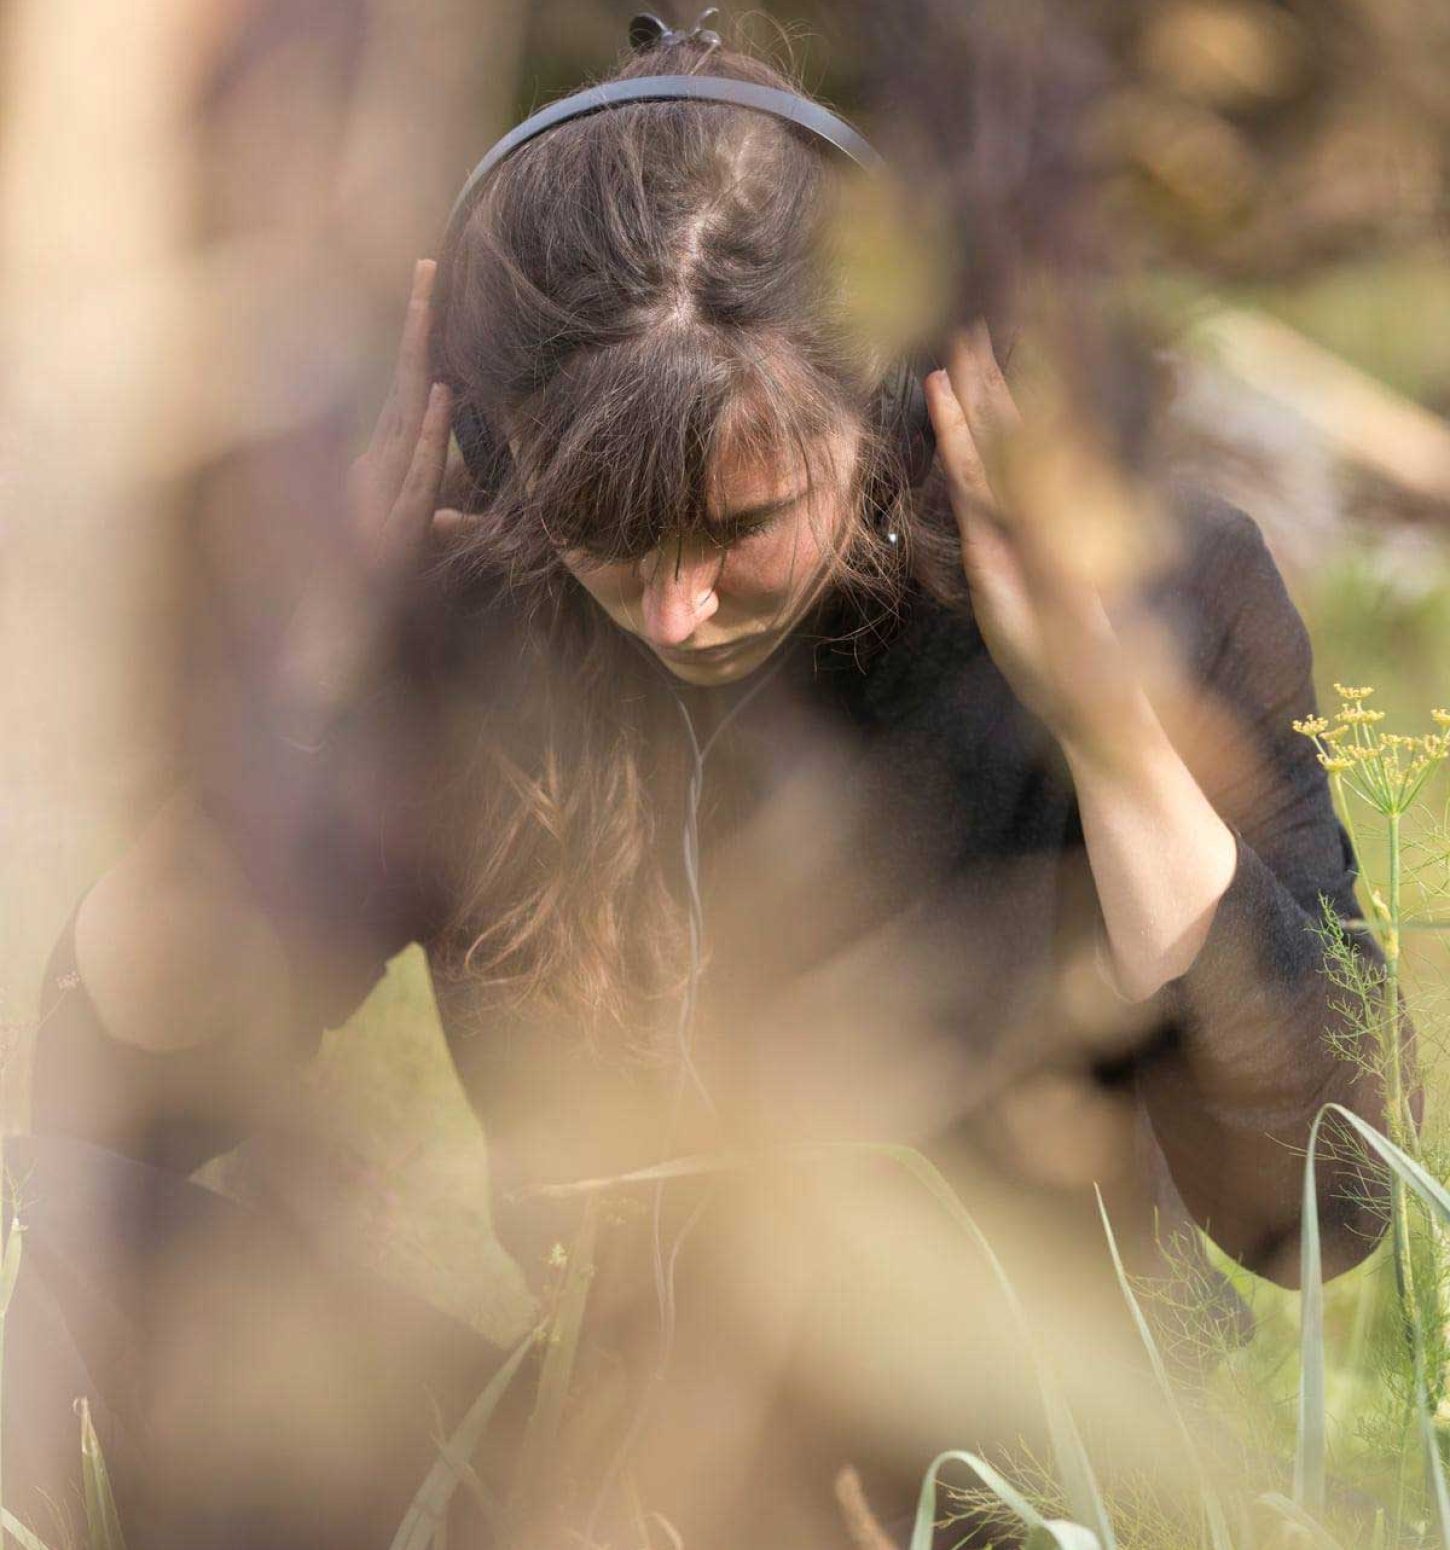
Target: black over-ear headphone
(900, 409)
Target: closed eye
(752, 521)
(740, 535)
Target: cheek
(752, 576)
(776, 564)
(777, 568)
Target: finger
(388, 413)
(991, 546)
(449, 523)
(982, 389)
(418, 498)
(997, 428)
(401, 417)
(413, 374)
(967, 480)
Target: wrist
(1126, 748)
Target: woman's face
(713, 608)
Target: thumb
(449, 523)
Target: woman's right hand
(339, 633)
(393, 485)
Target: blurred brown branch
(1365, 422)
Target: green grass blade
(429, 1507)
(1379, 1536)
(1312, 1446)
(19, 1533)
(693, 1166)
(1045, 1532)
(558, 1367)
(1059, 1534)
(1070, 1457)
(1218, 1531)
(1293, 1513)
(1309, 1461)
(9, 1275)
(102, 1523)
(1419, 1179)
(1434, 1463)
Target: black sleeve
(1256, 1021)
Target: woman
(741, 795)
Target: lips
(710, 653)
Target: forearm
(1188, 904)
(1263, 1041)
(1161, 856)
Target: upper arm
(172, 946)
(1253, 676)
(180, 999)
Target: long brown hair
(636, 294)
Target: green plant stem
(1397, 1523)
(1395, 1111)
(1346, 813)
(1394, 1094)
(1402, 1131)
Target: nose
(679, 595)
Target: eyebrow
(746, 516)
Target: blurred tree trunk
(208, 215)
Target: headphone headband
(900, 407)
(785, 105)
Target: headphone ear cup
(902, 416)
(486, 457)
(918, 434)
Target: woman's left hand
(1044, 620)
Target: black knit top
(903, 944)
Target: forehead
(621, 509)
(741, 480)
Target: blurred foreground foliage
(1283, 157)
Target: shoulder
(1222, 591)
(1212, 543)
(928, 653)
